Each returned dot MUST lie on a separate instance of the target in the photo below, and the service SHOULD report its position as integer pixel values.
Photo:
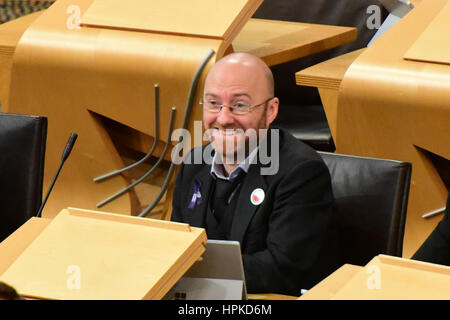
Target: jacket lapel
(196, 216)
(245, 209)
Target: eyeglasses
(238, 108)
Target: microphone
(67, 150)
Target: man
(436, 249)
(283, 219)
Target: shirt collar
(217, 169)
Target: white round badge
(257, 196)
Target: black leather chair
(306, 123)
(22, 152)
(372, 199)
(301, 111)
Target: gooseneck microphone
(69, 146)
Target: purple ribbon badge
(196, 196)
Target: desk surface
(273, 41)
(327, 74)
(328, 287)
(279, 41)
(386, 278)
(13, 246)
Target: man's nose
(225, 116)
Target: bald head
(248, 62)
(237, 81)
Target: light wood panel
(329, 286)
(118, 257)
(432, 37)
(280, 41)
(327, 74)
(384, 278)
(213, 19)
(10, 34)
(327, 77)
(329, 98)
(13, 246)
(399, 279)
(397, 109)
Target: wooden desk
(386, 278)
(13, 246)
(329, 286)
(279, 41)
(10, 34)
(326, 77)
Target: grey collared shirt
(217, 169)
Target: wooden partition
(98, 80)
(84, 254)
(394, 102)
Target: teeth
(229, 132)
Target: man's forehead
(234, 64)
(234, 75)
(234, 95)
(239, 72)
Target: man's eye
(213, 103)
(240, 105)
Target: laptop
(218, 275)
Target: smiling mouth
(229, 132)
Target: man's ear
(272, 110)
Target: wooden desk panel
(95, 243)
(219, 19)
(432, 38)
(327, 74)
(10, 34)
(326, 77)
(386, 278)
(327, 288)
(13, 246)
(277, 42)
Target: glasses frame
(231, 108)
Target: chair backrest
(22, 152)
(372, 198)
